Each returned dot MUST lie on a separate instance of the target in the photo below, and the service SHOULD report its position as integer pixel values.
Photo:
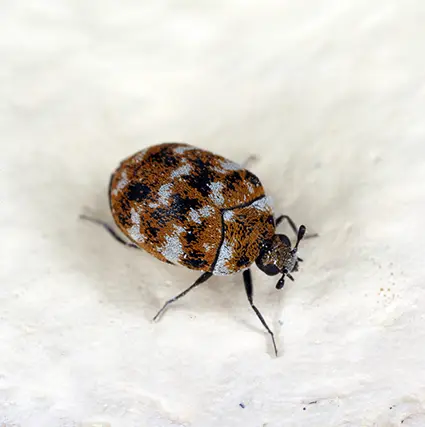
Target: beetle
(187, 206)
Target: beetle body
(190, 207)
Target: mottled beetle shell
(191, 207)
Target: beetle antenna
(286, 273)
(301, 233)
(281, 282)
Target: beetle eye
(285, 240)
(269, 269)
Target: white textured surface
(330, 95)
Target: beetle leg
(247, 279)
(200, 280)
(249, 161)
(110, 230)
(290, 222)
(293, 226)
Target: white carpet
(330, 96)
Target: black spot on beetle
(201, 176)
(243, 261)
(192, 234)
(178, 209)
(152, 231)
(181, 205)
(252, 179)
(270, 219)
(124, 220)
(137, 192)
(164, 157)
(231, 179)
(160, 215)
(190, 238)
(194, 263)
(195, 254)
(194, 259)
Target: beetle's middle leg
(200, 280)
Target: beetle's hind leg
(110, 230)
(294, 228)
(200, 280)
(247, 279)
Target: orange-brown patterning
(191, 207)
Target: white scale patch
(196, 215)
(250, 187)
(172, 249)
(121, 183)
(181, 150)
(207, 246)
(230, 166)
(216, 196)
(164, 194)
(227, 165)
(228, 215)
(225, 254)
(206, 211)
(264, 204)
(134, 230)
(182, 170)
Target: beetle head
(280, 257)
